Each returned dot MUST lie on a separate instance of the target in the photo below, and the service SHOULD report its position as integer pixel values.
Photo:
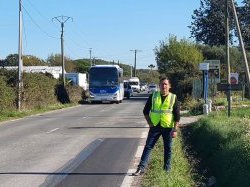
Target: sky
(113, 29)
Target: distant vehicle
(128, 92)
(79, 79)
(106, 83)
(152, 88)
(135, 84)
(143, 87)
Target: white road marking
(144, 134)
(52, 130)
(127, 181)
(139, 151)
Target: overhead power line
(37, 25)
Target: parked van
(134, 82)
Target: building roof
(54, 70)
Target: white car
(152, 88)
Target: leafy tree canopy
(177, 56)
(56, 60)
(208, 25)
(244, 19)
(29, 60)
(179, 60)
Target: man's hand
(149, 121)
(174, 130)
(174, 133)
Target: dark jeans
(153, 135)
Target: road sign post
(205, 67)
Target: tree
(219, 53)
(208, 26)
(82, 65)
(244, 20)
(151, 66)
(56, 60)
(179, 60)
(29, 60)
(12, 60)
(2, 63)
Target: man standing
(162, 114)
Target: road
(88, 145)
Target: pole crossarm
(62, 19)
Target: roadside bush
(69, 93)
(194, 106)
(223, 145)
(75, 93)
(61, 94)
(11, 77)
(7, 99)
(38, 90)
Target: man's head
(164, 86)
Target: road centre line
(52, 130)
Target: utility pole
(94, 60)
(20, 59)
(62, 20)
(227, 57)
(135, 50)
(241, 43)
(90, 60)
(131, 70)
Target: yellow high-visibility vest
(162, 112)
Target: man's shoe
(138, 172)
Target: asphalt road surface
(88, 145)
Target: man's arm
(148, 120)
(147, 109)
(176, 113)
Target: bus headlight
(115, 95)
(91, 95)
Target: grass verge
(222, 144)
(181, 173)
(216, 147)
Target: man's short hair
(163, 79)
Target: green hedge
(222, 144)
(39, 90)
(7, 95)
